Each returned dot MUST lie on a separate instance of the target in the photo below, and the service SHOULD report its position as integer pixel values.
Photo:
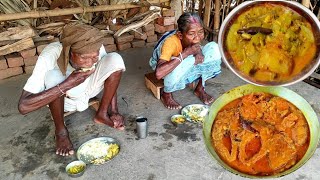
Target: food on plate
(260, 134)
(99, 152)
(112, 151)
(195, 113)
(179, 119)
(76, 169)
(271, 42)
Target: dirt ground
(27, 141)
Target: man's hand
(199, 58)
(76, 77)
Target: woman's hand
(199, 58)
(193, 49)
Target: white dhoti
(77, 98)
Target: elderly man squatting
(59, 81)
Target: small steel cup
(142, 127)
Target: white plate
(195, 112)
(97, 151)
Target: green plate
(285, 93)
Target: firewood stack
(19, 51)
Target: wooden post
(207, 12)
(216, 22)
(77, 10)
(35, 6)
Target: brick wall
(146, 36)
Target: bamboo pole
(35, 6)
(224, 6)
(77, 10)
(216, 18)
(207, 12)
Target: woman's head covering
(79, 38)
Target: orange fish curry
(260, 134)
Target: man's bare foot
(115, 120)
(169, 102)
(203, 96)
(64, 146)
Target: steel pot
(307, 71)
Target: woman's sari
(186, 72)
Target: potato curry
(260, 134)
(270, 42)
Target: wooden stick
(77, 10)
(200, 8)
(43, 38)
(6, 42)
(16, 33)
(224, 5)
(136, 25)
(216, 24)
(44, 26)
(17, 46)
(306, 3)
(207, 12)
(35, 6)
(228, 7)
(313, 5)
(139, 16)
(49, 2)
(35, 39)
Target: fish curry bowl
(270, 43)
(261, 132)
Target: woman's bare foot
(169, 102)
(115, 120)
(203, 96)
(64, 146)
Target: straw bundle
(85, 17)
(15, 6)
